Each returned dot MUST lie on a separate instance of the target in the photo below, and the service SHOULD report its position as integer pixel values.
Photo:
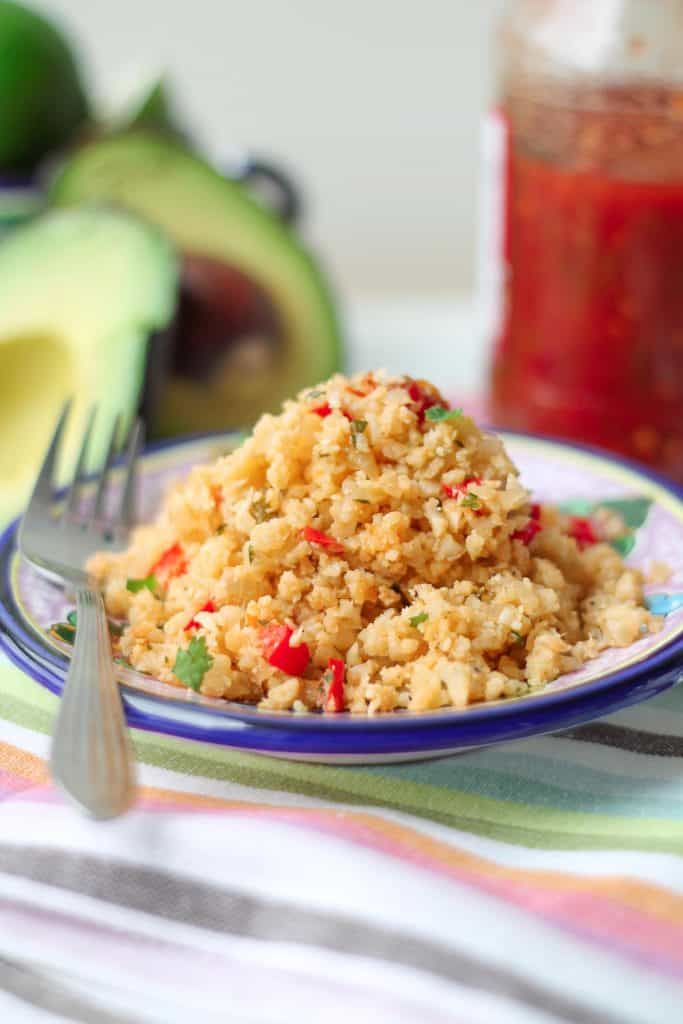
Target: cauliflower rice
(367, 550)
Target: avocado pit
(226, 323)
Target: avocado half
(81, 292)
(256, 321)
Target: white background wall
(374, 104)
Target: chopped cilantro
(192, 664)
(437, 414)
(516, 637)
(417, 620)
(471, 500)
(259, 510)
(250, 552)
(357, 427)
(150, 582)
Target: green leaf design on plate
(578, 506)
(624, 545)
(632, 510)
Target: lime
(42, 101)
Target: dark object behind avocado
(257, 322)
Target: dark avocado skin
(42, 101)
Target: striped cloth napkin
(540, 881)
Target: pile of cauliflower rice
(367, 549)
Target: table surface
(533, 883)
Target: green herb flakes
(221, 529)
(259, 510)
(71, 618)
(357, 427)
(472, 500)
(437, 414)
(417, 620)
(192, 664)
(516, 637)
(362, 501)
(149, 582)
(250, 553)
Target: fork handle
(91, 756)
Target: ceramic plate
(570, 476)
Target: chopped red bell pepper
(452, 492)
(335, 547)
(278, 652)
(326, 410)
(172, 563)
(535, 511)
(583, 531)
(422, 399)
(334, 700)
(193, 624)
(528, 532)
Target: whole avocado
(42, 101)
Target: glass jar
(589, 339)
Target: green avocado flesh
(42, 102)
(80, 293)
(236, 254)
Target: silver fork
(91, 756)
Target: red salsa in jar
(590, 343)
